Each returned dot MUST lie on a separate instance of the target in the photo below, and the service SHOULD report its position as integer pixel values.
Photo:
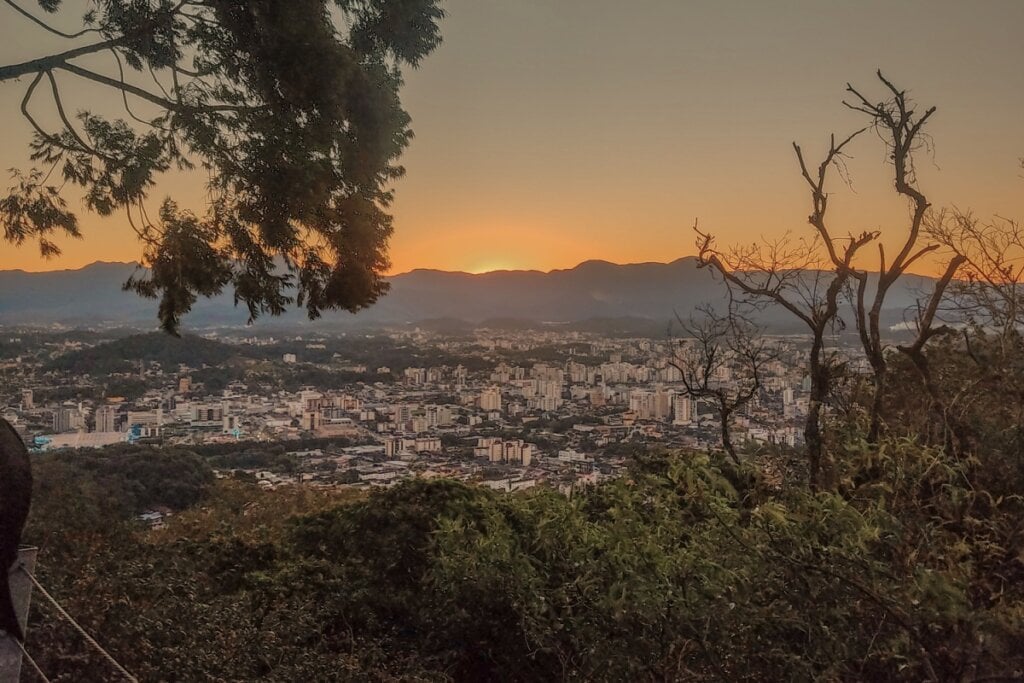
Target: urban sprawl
(508, 409)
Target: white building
(67, 420)
(106, 419)
(514, 452)
(490, 399)
(683, 410)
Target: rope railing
(32, 662)
(78, 627)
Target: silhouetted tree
(793, 274)
(901, 129)
(807, 277)
(290, 107)
(989, 292)
(985, 301)
(721, 359)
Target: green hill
(123, 355)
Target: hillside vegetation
(123, 355)
(691, 568)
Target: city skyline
(539, 147)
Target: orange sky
(549, 132)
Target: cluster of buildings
(517, 420)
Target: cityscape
(448, 340)
(510, 409)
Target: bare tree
(989, 293)
(769, 273)
(986, 300)
(927, 329)
(722, 359)
(805, 277)
(901, 129)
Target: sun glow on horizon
(526, 157)
(492, 265)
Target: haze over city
(549, 133)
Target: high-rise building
(147, 419)
(460, 375)
(683, 410)
(518, 453)
(231, 423)
(403, 414)
(66, 420)
(641, 402)
(207, 413)
(662, 408)
(311, 400)
(27, 400)
(489, 447)
(490, 399)
(439, 416)
(670, 373)
(106, 419)
(430, 444)
(415, 376)
(550, 388)
(514, 452)
(544, 403)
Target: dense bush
(131, 477)
(687, 569)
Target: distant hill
(593, 289)
(598, 293)
(123, 354)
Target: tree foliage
(290, 108)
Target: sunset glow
(528, 155)
(512, 340)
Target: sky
(550, 132)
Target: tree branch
(28, 115)
(54, 61)
(39, 22)
(145, 94)
(67, 123)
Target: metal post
(21, 592)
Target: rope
(78, 627)
(39, 672)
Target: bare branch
(27, 114)
(717, 345)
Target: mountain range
(592, 290)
